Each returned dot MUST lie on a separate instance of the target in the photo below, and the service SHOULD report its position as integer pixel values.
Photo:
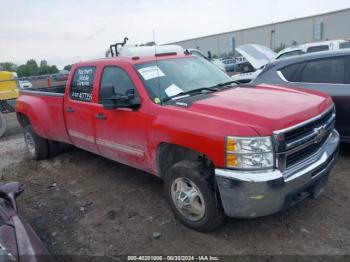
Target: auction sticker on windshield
(151, 72)
(173, 90)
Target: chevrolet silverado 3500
(220, 148)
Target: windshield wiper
(190, 92)
(227, 83)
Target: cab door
(79, 109)
(121, 132)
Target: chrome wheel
(30, 143)
(188, 199)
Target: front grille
(304, 153)
(297, 144)
(299, 133)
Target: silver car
(328, 72)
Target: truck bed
(47, 90)
(45, 105)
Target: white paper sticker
(151, 72)
(173, 90)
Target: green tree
(33, 67)
(8, 66)
(53, 69)
(67, 67)
(22, 70)
(44, 68)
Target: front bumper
(264, 192)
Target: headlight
(249, 152)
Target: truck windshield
(167, 78)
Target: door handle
(70, 110)
(101, 116)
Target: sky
(67, 31)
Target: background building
(327, 26)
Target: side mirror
(107, 97)
(11, 191)
(133, 99)
(110, 99)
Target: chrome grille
(307, 129)
(296, 144)
(304, 153)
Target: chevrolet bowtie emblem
(320, 134)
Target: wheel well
(169, 154)
(23, 120)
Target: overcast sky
(67, 31)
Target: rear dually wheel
(36, 145)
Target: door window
(290, 72)
(324, 71)
(82, 83)
(291, 53)
(344, 45)
(118, 78)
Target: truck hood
(263, 108)
(256, 55)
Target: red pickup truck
(221, 149)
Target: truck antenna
(155, 53)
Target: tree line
(31, 68)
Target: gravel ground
(83, 204)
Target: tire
(54, 148)
(36, 145)
(3, 124)
(206, 211)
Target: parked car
(215, 61)
(313, 47)
(59, 77)
(221, 149)
(25, 84)
(229, 64)
(257, 57)
(327, 72)
(18, 241)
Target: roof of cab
(139, 55)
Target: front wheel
(36, 145)
(190, 191)
(3, 124)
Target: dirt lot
(80, 203)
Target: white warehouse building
(327, 26)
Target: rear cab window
(81, 87)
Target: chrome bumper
(260, 193)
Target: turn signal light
(231, 145)
(231, 160)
